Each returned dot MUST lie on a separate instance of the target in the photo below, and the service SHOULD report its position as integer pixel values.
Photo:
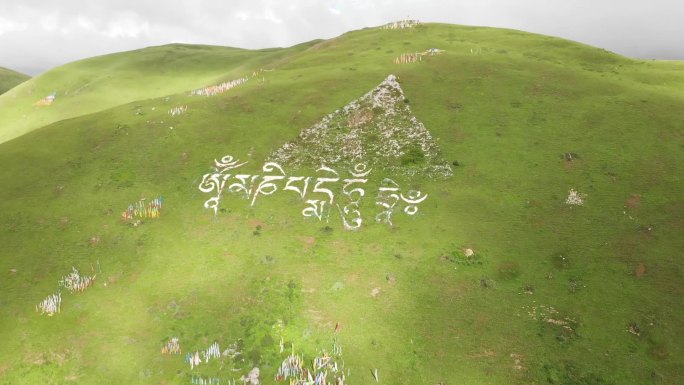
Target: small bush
(414, 155)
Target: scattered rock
(12, 271)
(575, 198)
(570, 156)
(338, 286)
(634, 329)
(468, 252)
(378, 130)
(252, 377)
(517, 361)
(528, 289)
(375, 292)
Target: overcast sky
(36, 35)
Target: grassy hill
(9, 79)
(103, 82)
(552, 294)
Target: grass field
(9, 79)
(555, 293)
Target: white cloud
(262, 15)
(127, 26)
(11, 26)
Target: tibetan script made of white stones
(317, 192)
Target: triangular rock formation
(377, 129)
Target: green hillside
(494, 279)
(9, 79)
(103, 82)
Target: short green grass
(10, 78)
(99, 83)
(506, 111)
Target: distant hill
(436, 204)
(10, 78)
(103, 82)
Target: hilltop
(547, 255)
(10, 78)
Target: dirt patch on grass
(483, 353)
(94, 240)
(342, 248)
(134, 277)
(360, 117)
(313, 285)
(659, 352)
(640, 270)
(633, 202)
(471, 171)
(482, 321)
(450, 291)
(631, 244)
(351, 278)
(517, 361)
(82, 319)
(35, 358)
(320, 319)
(570, 165)
(307, 241)
(256, 224)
